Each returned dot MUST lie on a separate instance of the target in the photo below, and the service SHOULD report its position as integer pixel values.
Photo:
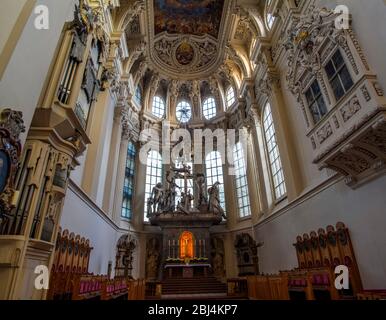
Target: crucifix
(185, 174)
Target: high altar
(186, 242)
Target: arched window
(209, 108)
(138, 95)
(230, 96)
(241, 181)
(153, 174)
(183, 112)
(158, 107)
(273, 153)
(214, 173)
(128, 187)
(270, 18)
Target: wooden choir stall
(70, 278)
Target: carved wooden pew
(273, 287)
(88, 287)
(278, 286)
(237, 287)
(299, 286)
(114, 289)
(136, 289)
(372, 295)
(323, 286)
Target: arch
(258, 22)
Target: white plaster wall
(28, 68)
(8, 18)
(77, 174)
(363, 212)
(82, 219)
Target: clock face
(184, 112)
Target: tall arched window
(128, 187)
(241, 181)
(209, 108)
(184, 112)
(214, 173)
(269, 17)
(273, 153)
(158, 107)
(270, 20)
(138, 95)
(230, 96)
(153, 174)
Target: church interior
(171, 149)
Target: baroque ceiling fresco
(185, 36)
(194, 17)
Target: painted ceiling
(194, 17)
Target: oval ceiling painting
(184, 54)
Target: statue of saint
(214, 200)
(200, 182)
(157, 197)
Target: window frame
(209, 110)
(315, 101)
(216, 171)
(233, 98)
(275, 149)
(191, 111)
(337, 74)
(138, 95)
(241, 182)
(154, 165)
(158, 105)
(269, 18)
(129, 182)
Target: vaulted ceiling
(188, 40)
